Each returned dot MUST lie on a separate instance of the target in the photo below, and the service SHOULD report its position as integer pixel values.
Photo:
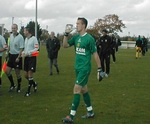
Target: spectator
(53, 46)
(113, 46)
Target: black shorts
(12, 61)
(30, 64)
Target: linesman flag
(4, 68)
(36, 53)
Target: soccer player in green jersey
(85, 46)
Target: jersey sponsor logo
(79, 40)
(78, 45)
(80, 51)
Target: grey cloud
(57, 13)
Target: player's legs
(143, 50)
(138, 52)
(81, 81)
(87, 101)
(113, 55)
(30, 67)
(56, 65)
(13, 64)
(19, 79)
(51, 66)
(76, 100)
(107, 60)
(10, 77)
(102, 62)
(75, 104)
(116, 48)
(18, 68)
(30, 81)
(26, 75)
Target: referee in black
(31, 45)
(104, 46)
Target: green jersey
(85, 46)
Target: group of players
(17, 51)
(85, 47)
(141, 46)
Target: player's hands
(100, 74)
(68, 29)
(23, 54)
(17, 59)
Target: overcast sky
(55, 14)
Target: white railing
(127, 44)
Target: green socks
(76, 102)
(87, 101)
(75, 105)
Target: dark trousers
(53, 62)
(105, 60)
(113, 55)
(116, 48)
(143, 50)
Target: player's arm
(100, 73)
(65, 43)
(4, 48)
(97, 59)
(21, 45)
(68, 30)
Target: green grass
(123, 98)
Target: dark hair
(15, 25)
(84, 21)
(30, 30)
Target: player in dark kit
(104, 46)
(113, 47)
(31, 45)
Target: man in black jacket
(53, 46)
(113, 46)
(104, 46)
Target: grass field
(122, 98)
